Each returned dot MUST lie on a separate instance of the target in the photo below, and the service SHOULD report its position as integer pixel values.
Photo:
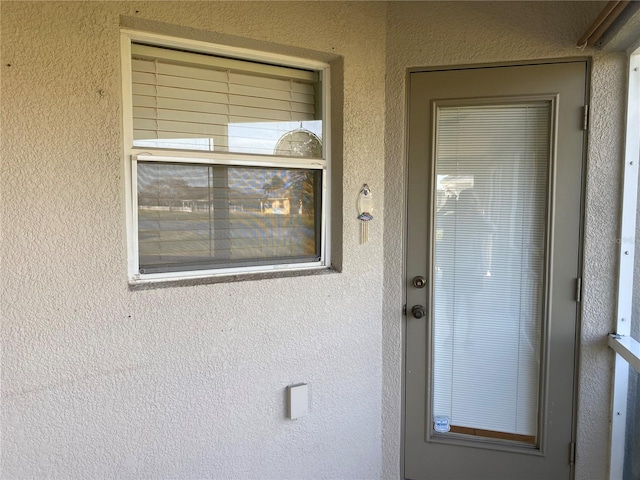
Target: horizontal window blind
(492, 175)
(195, 101)
(199, 217)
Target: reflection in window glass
(287, 139)
(290, 139)
(202, 144)
(208, 216)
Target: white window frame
(627, 348)
(133, 155)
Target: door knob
(419, 282)
(418, 311)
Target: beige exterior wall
(100, 381)
(188, 382)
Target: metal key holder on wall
(365, 207)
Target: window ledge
(209, 280)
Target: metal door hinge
(578, 290)
(585, 117)
(572, 453)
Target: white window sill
(185, 280)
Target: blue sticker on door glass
(441, 424)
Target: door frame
(405, 226)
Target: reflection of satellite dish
(299, 143)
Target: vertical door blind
(194, 101)
(492, 166)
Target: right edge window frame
(627, 347)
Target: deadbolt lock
(419, 282)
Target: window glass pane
(635, 316)
(188, 101)
(492, 176)
(632, 432)
(193, 217)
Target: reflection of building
(276, 206)
(185, 189)
(196, 200)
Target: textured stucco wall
(458, 33)
(188, 382)
(99, 381)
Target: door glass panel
(490, 236)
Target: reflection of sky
(262, 137)
(254, 137)
(201, 144)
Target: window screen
(205, 216)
